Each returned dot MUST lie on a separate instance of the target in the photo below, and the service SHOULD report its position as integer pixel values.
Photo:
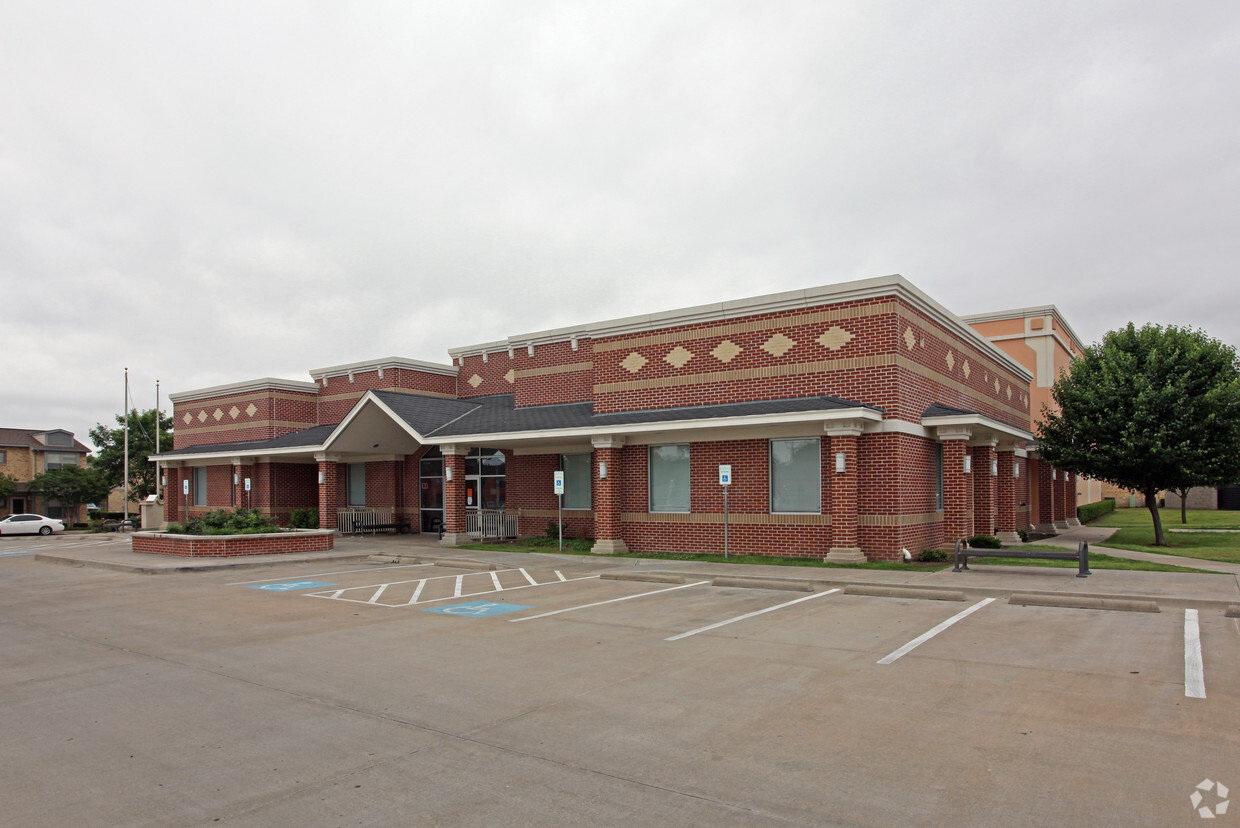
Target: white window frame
(688, 480)
(574, 483)
(770, 465)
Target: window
(430, 469)
(796, 476)
(576, 468)
(669, 478)
(938, 477)
(485, 479)
(53, 460)
(200, 485)
(356, 495)
(4, 457)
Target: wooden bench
(1081, 556)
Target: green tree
(8, 485)
(111, 444)
(1149, 408)
(72, 486)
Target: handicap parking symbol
(290, 586)
(478, 609)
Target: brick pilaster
(1046, 496)
(843, 440)
(984, 488)
(454, 507)
(957, 492)
(329, 492)
(173, 499)
(607, 488)
(1005, 496)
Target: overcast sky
(213, 192)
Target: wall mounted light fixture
(841, 462)
(602, 469)
(968, 464)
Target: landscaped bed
(223, 534)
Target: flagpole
(158, 465)
(125, 467)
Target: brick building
(26, 452)
(859, 419)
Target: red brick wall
(195, 546)
(555, 374)
(339, 395)
(255, 415)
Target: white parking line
(1194, 669)
(748, 615)
(337, 572)
(458, 591)
(611, 601)
(926, 636)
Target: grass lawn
(582, 547)
(1097, 560)
(1136, 532)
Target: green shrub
(175, 528)
(553, 530)
(1024, 536)
(930, 555)
(223, 522)
(1093, 511)
(984, 542)
(304, 519)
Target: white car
(30, 525)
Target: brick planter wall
(229, 546)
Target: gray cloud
(215, 192)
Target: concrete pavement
(1169, 589)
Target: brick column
(1061, 498)
(454, 508)
(608, 481)
(1046, 496)
(173, 499)
(842, 439)
(957, 489)
(984, 487)
(1073, 481)
(1005, 495)
(242, 471)
(329, 490)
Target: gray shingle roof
(940, 410)
(438, 417)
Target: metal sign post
(559, 497)
(725, 480)
(185, 489)
(247, 493)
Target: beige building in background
(26, 452)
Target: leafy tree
(111, 443)
(8, 485)
(1149, 408)
(72, 486)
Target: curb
(1083, 602)
(924, 593)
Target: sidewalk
(1167, 589)
(1096, 537)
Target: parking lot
(565, 690)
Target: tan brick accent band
(900, 520)
(877, 361)
(414, 392)
(717, 518)
(554, 369)
(776, 323)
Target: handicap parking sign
(290, 586)
(478, 609)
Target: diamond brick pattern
(234, 412)
(778, 345)
(951, 361)
(202, 416)
(966, 368)
(634, 362)
(251, 409)
(475, 380)
(187, 418)
(678, 356)
(510, 377)
(726, 351)
(910, 339)
(834, 338)
(218, 414)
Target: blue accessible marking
(18, 552)
(289, 586)
(478, 609)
